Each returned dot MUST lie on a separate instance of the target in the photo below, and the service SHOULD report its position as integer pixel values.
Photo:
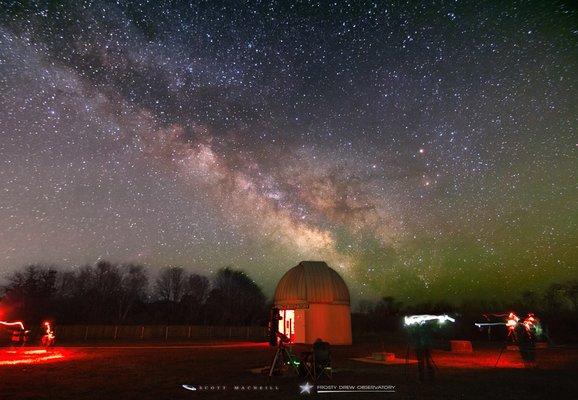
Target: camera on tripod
(283, 356)
(276, 338)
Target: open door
(287, 324)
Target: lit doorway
(287, 324)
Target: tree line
(109, 293)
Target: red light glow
(512, 320)
(48, 338)
(287, 324)
(19, 357)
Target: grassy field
(158, 371)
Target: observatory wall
(330, 322)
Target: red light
(287, 324)
(512, 321)
(36, 356)
(530, 322)
(32, 360)
(48, 338)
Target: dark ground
(158, 371)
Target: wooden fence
(158, 332)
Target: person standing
(421, 339)
(527, 333)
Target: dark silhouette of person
(317, 360)
(421, 339)
(526, 333)
(322, 353)
(274, 326)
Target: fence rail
(159, 332)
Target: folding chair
(322, 364)
(318, 362)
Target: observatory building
(313, 301)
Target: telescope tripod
(512, 339)
(427, 360)
(282, 356)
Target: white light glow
(421, 319)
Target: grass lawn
(158, 371)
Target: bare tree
(30, 293)
(530, 301)
(232, 291)
(572, 293)
(196, 292)
(170, 284)
(134, 285)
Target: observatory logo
(320, 389)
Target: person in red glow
(48, 338)
(530, 323)
(512, 323)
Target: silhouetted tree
(102, 293)
(386, 313)
(558, 298)
(364, 307)
(111, 293)
(106, 291)
(195, 294)
(71, 297)
(235, 299)
(170, 288)
(29, 294)
(134, 285)
(530, 301)
(170, 284)
(388, 306)
(572, 293)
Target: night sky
(426, 151)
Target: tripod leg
(433, 362)
(432, 368)
(499, 356)
(407, 356)
(406, 363)
(274, 364)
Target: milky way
(425, 151)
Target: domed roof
(311, 282)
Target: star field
(424, 150)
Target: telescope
(274, 334)
(277, 337)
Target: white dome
(311, 282)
